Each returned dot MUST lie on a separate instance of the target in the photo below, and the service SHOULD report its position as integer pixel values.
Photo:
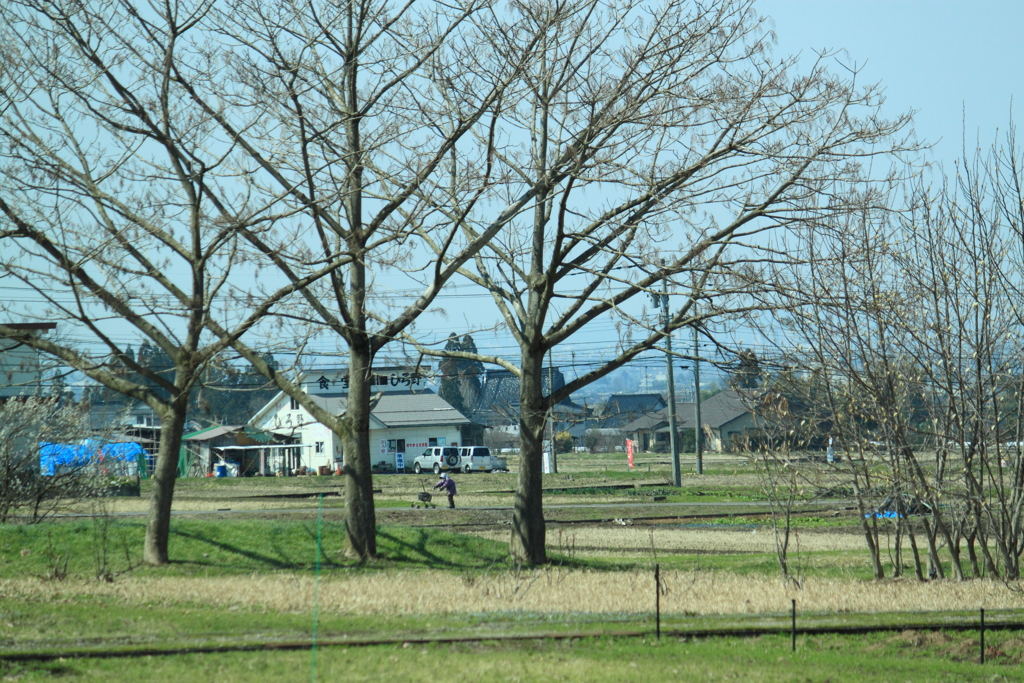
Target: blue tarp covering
(119, 458)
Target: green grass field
(76, 586)
(908, 656)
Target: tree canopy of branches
(912, 321)
(188, 168)
(119, 209)
(660, 140)
(373, 125)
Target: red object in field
(629, 452)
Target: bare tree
(375, 123)
(26, 424)
(967, 259)
(120, 207)
(660, 140)
(777, 470)
(914, 319)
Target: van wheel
(437, 468)
(417, 469)
(467, 469)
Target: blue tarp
(119, 458)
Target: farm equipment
(423, 498)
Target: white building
(407, 419)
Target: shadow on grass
(264, 559)
(439, 550)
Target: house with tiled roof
(498, 404)
(725, 417)
(622, 409)
(407, 419)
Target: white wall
(283, 420)
(417, 439)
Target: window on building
(319, 447)
(431, 442)
(295, 404)
(400, 446)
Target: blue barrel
(220, 470)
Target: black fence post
(657, 600)
(794, 624)
(982, 635)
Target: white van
(479, 459)
(437, 458)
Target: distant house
(498, 406)
(20, 367)
(241, 451)
(725, 417)
(127, 420)
(405, 419)
(622, 409)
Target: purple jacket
(448, 485)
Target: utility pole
(551, 415)
(696, 400)
(670, 376)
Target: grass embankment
(252, 578)
(267, 567)
(909, 656)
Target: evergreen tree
(748, 371)
(460, 377)
(451, 390)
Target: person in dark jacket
(448, 486)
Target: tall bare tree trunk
(360, 517)
(528, 531)
(158, 524)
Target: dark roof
(716, 411)
(722, 408)
(402, 409)
(104, 414)
(30, 326)
(622, 409)
(685, 419)
(499, 396)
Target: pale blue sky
(954, 62)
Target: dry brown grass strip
(547, 590)
(639, 540)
